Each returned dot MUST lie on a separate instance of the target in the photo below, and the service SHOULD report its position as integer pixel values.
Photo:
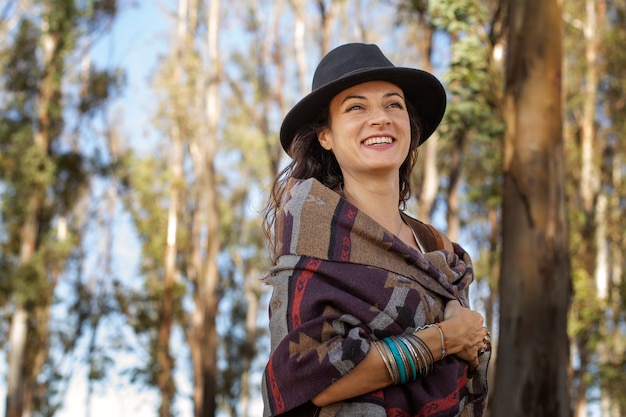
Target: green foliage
(102, 86)
(420, 6)
(475, 84)
(247, 149)
(148, 180)
(614, 379)
(614, 55)
(456, 15)
(43, 180)
(31, 284)
(21, 69)
(72, 179)
(100, 13)
(589, 313)
(235, 349)
(140, 308)
(597, 320)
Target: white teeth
(377, 140)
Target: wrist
(435, 338)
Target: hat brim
(422, 89)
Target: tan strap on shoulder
(430, 237)
(442, 240)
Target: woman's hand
(464, 331)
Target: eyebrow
(393, 93)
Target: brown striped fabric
(342, 280)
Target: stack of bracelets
(408, 357)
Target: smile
(378, 140)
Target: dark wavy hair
(310, 160)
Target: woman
(369, 312)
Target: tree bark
(588, 195)
(164, 359)
(430, 179)
(456, 165)
(206, 230)
(427, 193)
(328, 16)
(24, 359)
(15, 379)
(535, 285)
(299, 45)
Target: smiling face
(369, 130)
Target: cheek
(405, 122)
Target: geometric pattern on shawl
(341, 280)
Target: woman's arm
(464, 333)
(371, 374)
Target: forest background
(135, 162)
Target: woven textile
(342, 280)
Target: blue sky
(139, 36)
(135, 43)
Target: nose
(379, 117)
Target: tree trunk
(203, 336)
(456, 164)
(589, 188)
(616, 245)
(15, 379)
(427, 165)
(165, 376)
(430, 179)
(299, 45)
(25, 358)
(253, 293)
(165, 362)
(589, 180)
(328, 16)
(494, 268)
(535, 285)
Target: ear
(324, 139)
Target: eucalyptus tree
(613, 364)
(153, 196)
(174, 198)
(44, 173)
(594, 82)
(473, 130)
(256, 101)
(535, 283)
(421, 29)
(583, 143)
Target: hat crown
(356, 63)
(347, 60)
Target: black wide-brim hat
(356, 63)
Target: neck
(379, 200)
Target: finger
(487, 337)
(453, 302)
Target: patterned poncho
(340, 281)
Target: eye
(396, 105)
(354, 107)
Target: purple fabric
(341, 281)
